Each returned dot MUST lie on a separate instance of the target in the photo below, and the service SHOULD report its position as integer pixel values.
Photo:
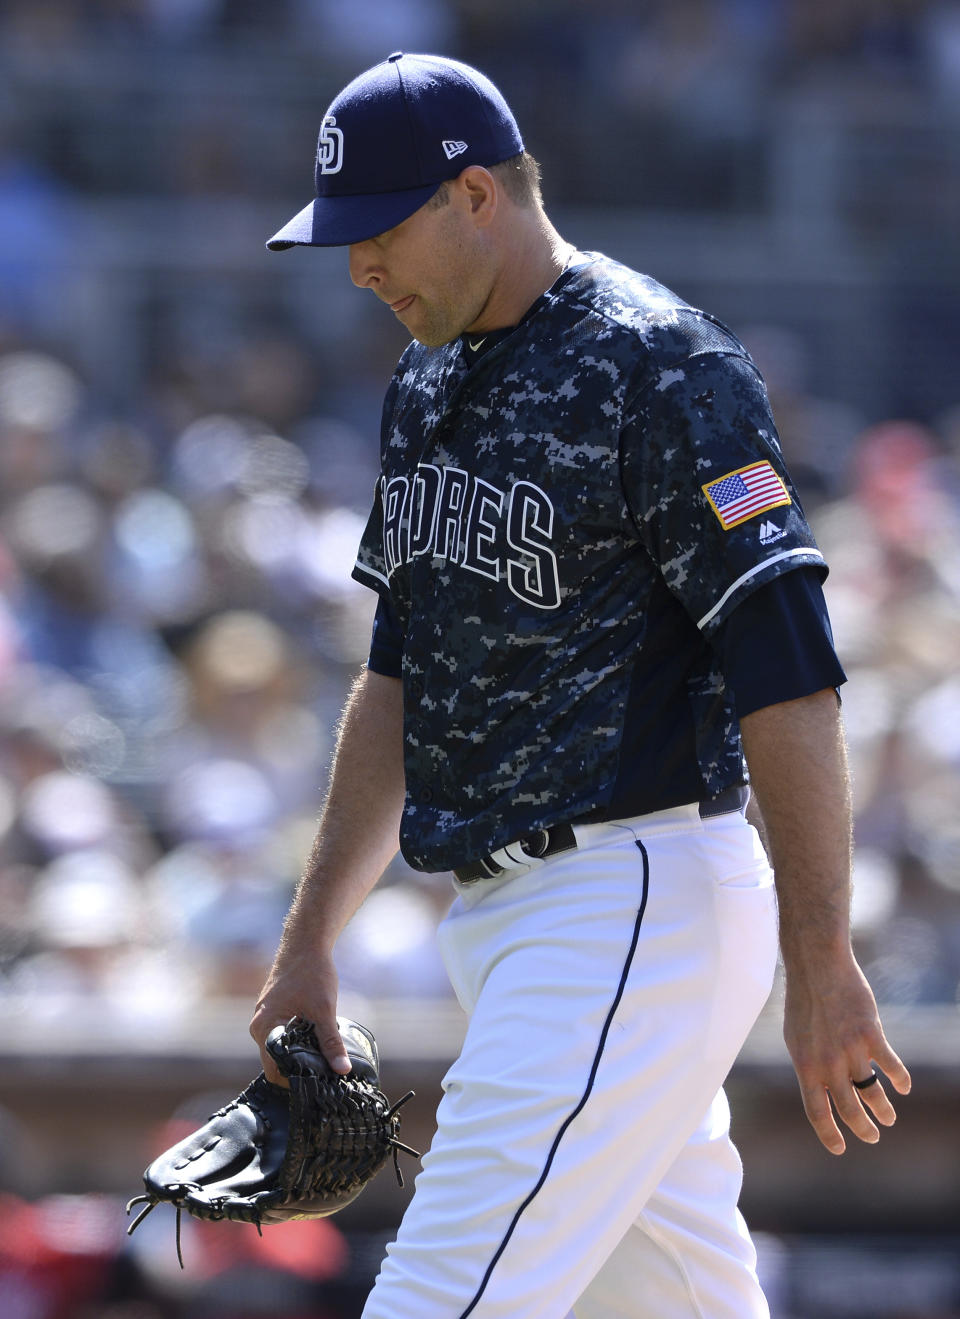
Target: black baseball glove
(275, 1154)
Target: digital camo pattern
(541, 527)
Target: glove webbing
(341, 1133)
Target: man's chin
(427, 329)
(432, 340)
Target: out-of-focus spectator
(56, 1255)
(940, 36)
(35, 220)
(894, 594)
(816, 433)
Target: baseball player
(599, 603)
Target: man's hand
(833, 1032)
(304, 985)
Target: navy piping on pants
(584, 1097)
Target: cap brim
(339, 221)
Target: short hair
(440, 198)
(519, 177)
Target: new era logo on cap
(453, 148)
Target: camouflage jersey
(562, 529)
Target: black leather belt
(547, 843)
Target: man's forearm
(358, 832)
(356, 841)
(798, 767)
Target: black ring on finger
(872, 1079)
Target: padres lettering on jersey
(550, 554)
(447, 513)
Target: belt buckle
(519, 855)
(535, 845)
(507, 859)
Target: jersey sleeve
(777, 645)
(707, 488)
(371, 567)
(386, 644)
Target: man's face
(433, 271)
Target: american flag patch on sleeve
(744, 493)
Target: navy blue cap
(388, 141)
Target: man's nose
(364, 271)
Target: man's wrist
(817, 956)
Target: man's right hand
(306, 986)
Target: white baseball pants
(582, 1160)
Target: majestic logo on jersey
(454, 149)
(446, 513)
(330, 147)
(769, 532)
(744, 493)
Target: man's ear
(480, 189)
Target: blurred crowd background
(188, 446)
